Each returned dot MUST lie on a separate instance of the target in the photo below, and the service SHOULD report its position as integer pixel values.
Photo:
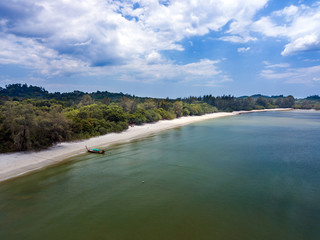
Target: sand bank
(16, 164)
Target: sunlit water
(253, 176)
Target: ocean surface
(252, 176)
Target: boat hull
(95, 150)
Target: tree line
(31, 118)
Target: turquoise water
(252, 176)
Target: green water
(253, 176)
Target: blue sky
(163, 48)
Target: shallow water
(252, 176)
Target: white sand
(16, 164)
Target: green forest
(31, 118)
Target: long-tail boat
(94, 150)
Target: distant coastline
(16, 164)
(31, 118)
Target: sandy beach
(17, 164)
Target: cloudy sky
(163, 48)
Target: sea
(251, 176)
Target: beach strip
(16, 164)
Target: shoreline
(14, 165)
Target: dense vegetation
(33, 118)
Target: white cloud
(243, 49)
(204, 67)
(310, 41)
(187, 18)
(93, 31)
(154, 57)
(279, 65)
(200, 72)
(238, 39)
(219, 82)
(299, 24)
(64, 36)
(302, 75)
(32, 54)
(126, 39)
(96, 36)
(268, 28)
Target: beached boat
(94, 150)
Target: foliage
(96, 119)
(32, 118)
(25, 127)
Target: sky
(163, 48)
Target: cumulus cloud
(311, 41)
(34, 55)
(190, 18)
(126, 39)
(64, 35)
(243, 49)
(283, 72)
(299, 24)
(92, 31)
(198, 73)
